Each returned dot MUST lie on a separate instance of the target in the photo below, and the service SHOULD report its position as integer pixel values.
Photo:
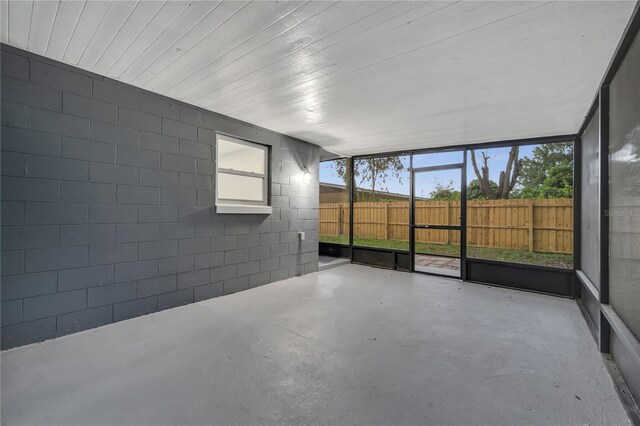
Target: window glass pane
(381, 207)
(528, 219)
(438, 158)
(590, 202)
(334, 201)
(241, 157)
(240, 188)
(624, 191)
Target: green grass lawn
(505, 255)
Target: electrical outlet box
(301, 235)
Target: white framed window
(242, 176)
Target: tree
(444, 192)
(373, 170)
(507, 179)
(558, 183)
(535, 169)
(474, 192)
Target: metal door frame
(463, 214)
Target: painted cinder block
(55, 122)
(60, 78)
(157, 249)
(110, 173)
(209, 260)
(179, 130)
(28, 285)
(159, 178)
(28, 332)
(21, 92)
(178, 163)
(76, 235)
(170, 231)
(175, 298)
(49, 305)
(208, 291)
(13, 164)
(89, 108)
(84, 320)
(112, 253)
(138, 120)
(135, 308)
(15, 66)
(176, 264)
(156, 105)
(110, 294)
(92, 276)
(29, 189)
(110, 133)
(158, 142)
(39, 166)
(113, 213)
(176, 197)
(129, 194)
(157, 285)
(194, 245)
(196, 150)
(30, 142)
(130, 156)
(11, 312)
(51, 259)
(87, 192)
(136, 270)
(125, 177)
(130, 232)
(193, 278)
(116, 94)
(149, 213)
(82, 149)
(23, 237)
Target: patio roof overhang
(352, 77)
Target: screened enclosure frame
(542, 279)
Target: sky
(426, 182)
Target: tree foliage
(548, 173)
(444, 192)
(474, 192)
(371, 173)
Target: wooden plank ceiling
(353, 76)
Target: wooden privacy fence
(542, 225)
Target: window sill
(242, 209)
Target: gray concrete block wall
(108, 206)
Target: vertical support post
(530, 209)
(412, 201)
(463, 218)
(577, 211)
(340, 219)
(352, 191)
(603, 146)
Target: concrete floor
(350, 345)
(328, 262)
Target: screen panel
(624, 190)
(590, 207)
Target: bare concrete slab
(350, 345)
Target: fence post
(530, 203)
(386, 221)
(448, 215)
(339, 219)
